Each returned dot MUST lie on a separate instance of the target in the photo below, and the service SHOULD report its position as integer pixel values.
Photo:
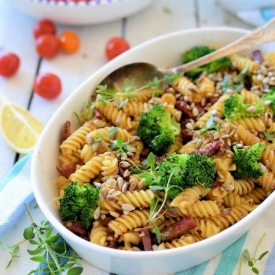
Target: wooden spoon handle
(258, 36)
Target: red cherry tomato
(47, 85)
(69, 41)
(9, 64)
(115, 46)
(43, 27)
(47, 46)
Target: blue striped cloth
(15, 191)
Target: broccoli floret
(246, 161)
(195, 53)
(235, 108)
(79, 203)
(199, 169)
(193, 169)
(158, 129)
(270, 97)
(199, 51)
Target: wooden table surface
(163, 16)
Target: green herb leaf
(157, 232)
(246, 254)
(28, 233)
(37, 259)
(35, 251)
(112, 131)
(75, 270)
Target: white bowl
(81, 13)
(163, 51)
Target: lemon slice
(18, 126)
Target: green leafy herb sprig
(158, 204)
(235, 84)
(252, 260)
(211, 124)
(86, 113)
(51, 252)
(121, 97)
(119, 145)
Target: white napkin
(15, 191)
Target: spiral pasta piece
(129, 222)
(234, 215)
(244, 63)
(88, 171)
(201, 209)
(113, 114)
(218, 107)
(77, 139)
(138, 199)
(255, 124)
(242, 187)
(187, 88)
(189, 196)
(257, 195)
(68, 159)
(182, 241)
(109, 166)
(268, 157)
(267, 181)
(206, 228)
(245, 136)
(136, 108)
(99, 235)
(231, 200)
(206, 86)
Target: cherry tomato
(69, 41)
(43, 27)
(47, 46)
(115, 46)
(47, 85)
(9, 64)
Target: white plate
(81, 13)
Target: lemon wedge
(18, 126)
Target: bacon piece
(97, 114)
(146, 239)
(209, 149)
(182, 106)
(68, 169)
(78, 229)
(179, 228)
(66, 130)
(105, 221)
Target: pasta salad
(173, 162)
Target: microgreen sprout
(211, 124)
(234, 84)
(158, 203)
(118, 144)
(121, 97)
(86, 113)
(151, 173)
(251, 260)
